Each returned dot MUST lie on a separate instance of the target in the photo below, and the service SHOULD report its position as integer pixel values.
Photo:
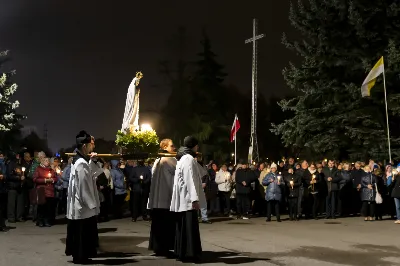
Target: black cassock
(187, 239)
(82, 239)
(162, 234)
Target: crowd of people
(176, 193)
(326, 189)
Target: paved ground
(324, 242)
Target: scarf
(183, 151)
(312, 171)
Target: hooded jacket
(118, 178)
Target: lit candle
(49, 174)
(23, 169)
(141, 177)
(58, 171)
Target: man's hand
(271, 180)
(291, 182)
(244, 183)
(290, 171)
(101, 187)
(22, 178)
(93, 155)
(203, 185)
(370, 186)
(195, 205)
(1, 177)
(329, 179)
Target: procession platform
(349, 241)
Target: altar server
(162, 234)
(187, 198)
(83, 203)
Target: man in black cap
(187, 198)
(83, 203)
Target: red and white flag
(235, 128)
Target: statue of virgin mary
(131, 115)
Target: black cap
(83, 137)
(190, 142)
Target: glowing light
(325, 160)
(146, 127)
(233, 154)
(23, 169)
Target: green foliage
(9, 119)
(342, 40)
(138, 141)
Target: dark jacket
(138, 184)
(247, 176)
(345, 178)
(3, 182)
(333, 173)
(366, 193)
(13, 179)
(211, 189)
(356, 176)
(293, 192)
(274, 189)
(396, 187)
(308, 177)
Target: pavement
(349, 241)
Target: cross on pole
(253, 150)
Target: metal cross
(253, 151)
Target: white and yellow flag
(369, 82)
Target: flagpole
(387, 115)
(235, 138)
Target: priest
(187, 199)
(162, 234)
(83, 203)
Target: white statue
(131, 115)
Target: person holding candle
(3, 195)
(139, 181)
(273, 196)
(15, 180)
(44, 179)
(293, 182)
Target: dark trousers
(242, 204)
(16, 205)
(27, 202)
(213, 205)
(315, 205)
(292, 208)
(330, 204)
(275, 204)
(368, 208)
(344, 200)
(355, 201)
(63, 204)
(138, 204)
(3, 207)
(45, 212)
(118, 203)
(225, 201)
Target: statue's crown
(139, 75)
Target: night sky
(76, 59)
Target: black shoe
(268, 220)
(12, 221)
(40, 224)
(21, 220)
(290, 219)
(279, 220)
(134, 220)
(206, 222)
(4, 229)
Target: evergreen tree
(8, 117)
(342, 40)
